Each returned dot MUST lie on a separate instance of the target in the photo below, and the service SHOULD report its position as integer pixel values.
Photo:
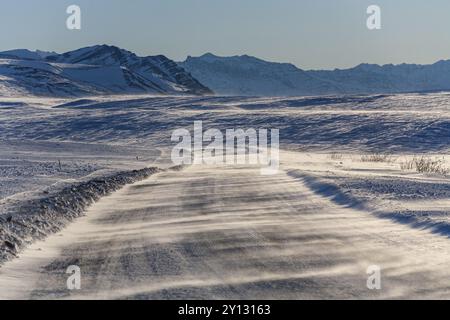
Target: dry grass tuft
(336, 156)
(426, 165)
(377, 157)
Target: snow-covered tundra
(363, 182)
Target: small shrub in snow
(336, 156)
(426, 165)
(377, 157)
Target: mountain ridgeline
(249, 76)
(93, 70)
(104, 70)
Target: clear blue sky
(309, 33)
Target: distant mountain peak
(209, 55)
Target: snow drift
(37, 218)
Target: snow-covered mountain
(91, 71)
(32, 77)
(159, 69)
(25, 54)
(104, 69)
(245, 75)
(372, 78)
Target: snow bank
(37, 218)
(396, 199)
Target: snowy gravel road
(229, 232)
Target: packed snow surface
(344, 198)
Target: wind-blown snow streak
(228, 232)
(425, 207)
(247, 237)
(393, 123)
